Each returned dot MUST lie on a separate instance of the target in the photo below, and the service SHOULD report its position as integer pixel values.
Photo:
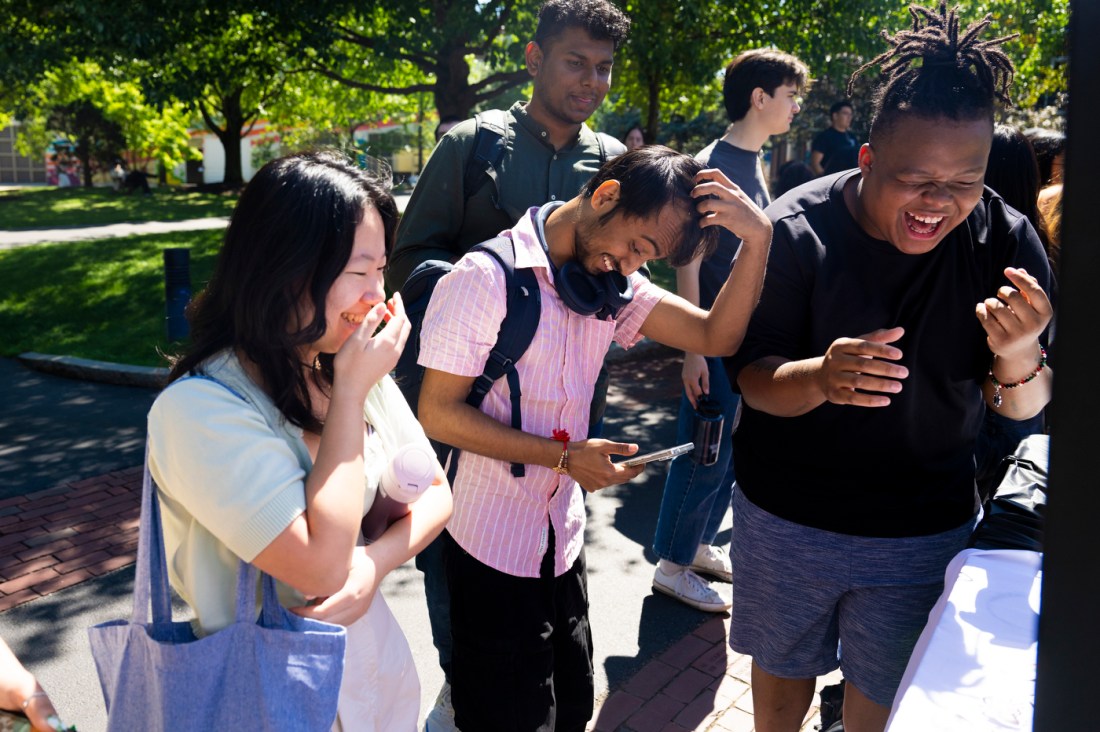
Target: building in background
(16, 168)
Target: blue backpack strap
(610, 147)
(517, 330)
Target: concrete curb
(153, 378)
(89, 370)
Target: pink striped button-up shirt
(499, 519)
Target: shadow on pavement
(643, 405)
(55, 430)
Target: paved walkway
(67, 545)
(57, 537)
(660, 665)
(29, 237)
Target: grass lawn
(51, 208)
(104, 299)
(100, 299)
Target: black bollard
(177, 291)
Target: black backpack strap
(521, 319)
(490, 144)
(609, 147)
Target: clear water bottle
(408, 475)
(708, 430)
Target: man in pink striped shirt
(514, 551)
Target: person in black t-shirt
(898, 298)
(835, 149)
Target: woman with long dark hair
(270, 441)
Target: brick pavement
(55, 538)
(699, 683)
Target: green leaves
(670, 68)
(314, 67)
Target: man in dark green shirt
(549, 154)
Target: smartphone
(659, 455)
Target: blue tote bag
(281, 672)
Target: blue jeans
(696, 496)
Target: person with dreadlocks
(898, 297)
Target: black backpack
(491, 141)
(516, 331)
(1014, 517)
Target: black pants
(522, 658)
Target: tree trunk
(653, 119)
(231, 138)
(230, 135)
(84, 154)
(453, 95)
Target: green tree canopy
(412, 46)
(671, 66)
(100, 107)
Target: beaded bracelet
(997, 386)
(562, 468)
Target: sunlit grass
(101, 299)
(48, 208)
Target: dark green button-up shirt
(442, 221)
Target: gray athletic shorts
(807, 601)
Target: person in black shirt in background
(899, 299)
(835, 149)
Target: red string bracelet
(562, 468)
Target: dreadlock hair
(958, 77)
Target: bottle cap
(707, 407)
(409, 473)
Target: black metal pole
(1069, 624)
(177, 291)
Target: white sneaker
(714, 561)
(442, 716)
(690, 589)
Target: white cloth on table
(973, 667)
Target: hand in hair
(723, 203)
(371, 353)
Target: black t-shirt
(841, 150)
(902, 470)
